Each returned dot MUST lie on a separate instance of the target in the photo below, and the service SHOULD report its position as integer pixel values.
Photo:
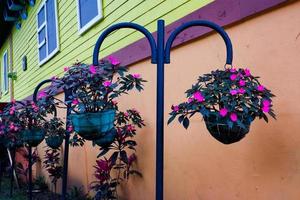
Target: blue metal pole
(160, 111)
(66, 150)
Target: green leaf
(171, 119)
(186, 123)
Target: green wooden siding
(79, 47)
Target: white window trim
(56, 50)
(92, 22)
(3, 80)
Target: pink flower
(232, 70)
(126, 114)
(175, 108)
(242, 91)
(70, 129)
(266, 103)
(233, 92)
(247, 72)
(233, 77)
(190, 100)
(12, 127)
(42, 94)
(106, 83)
(113, 60)
(233, 117)
(75, 102)
(130, 127)
(198, 96)
(66, 69)
(260, 88)
(93, 69)
(136, 75)
(223, 112)
(54, 78)
(242, 83)
(265, 109)
(114, 102)
(13, 101)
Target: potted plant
(54, 132)
(92, 92)
(10, 126)
(229, 100)
(119, 166)
(31, 119)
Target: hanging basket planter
(229, 100)
(33, 137)
(91, 126)
(222, 132)
(54, 141)
(107, 138)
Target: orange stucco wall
(264, 165)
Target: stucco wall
(264, 165)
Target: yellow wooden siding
(80, 47)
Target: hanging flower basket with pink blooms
(229, 100)
(93, 90)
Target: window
(5, 72)
(47, 31)
(89, 12)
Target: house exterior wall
(73, 46)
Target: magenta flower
(233, 77)
(233, 92)
(190, 100)
(66, 69)
(126, 114)
(75, 102)
(233, 117)
(12, 127)
(13, 101)
(242, 91)
(247, 72)
(42, 94)
(113, 60)
(175, 108)
(266, 103)
(70, 129)
(232, 70)
(260, 88)
(198, 96)
(265, 109)
(130, 127)
(136, 75)
(242, 83)
(223, 112)
(93, 69)
(106, 83)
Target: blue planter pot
(54, 141)
(107, 139)
(33, 137)
(91, 126)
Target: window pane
(42, 52)
(88, 10)
(51, 26)
(41, 16)
(42, 35)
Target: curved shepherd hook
(67, 136)
(204, 23)
(119, 26)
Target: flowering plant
(93, 88)
(110, 172)
(231, 97)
